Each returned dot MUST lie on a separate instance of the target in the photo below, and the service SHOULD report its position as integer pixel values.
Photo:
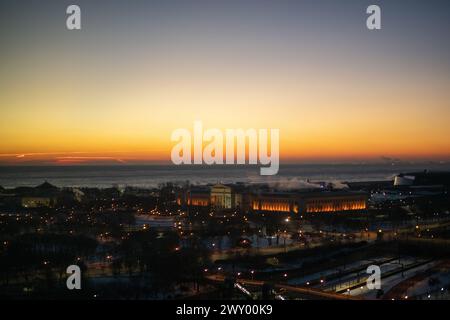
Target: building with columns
(251, 199)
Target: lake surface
(304, 175)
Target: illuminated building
(222, 197)
(218, 196)
(423, 179)
(198, 197)
(228, 197)
(225, 196)
(44, 195)
(334, 202)
(309, 202)
(274, 202)
(37, 202)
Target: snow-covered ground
(423, 289)
(391, 281)
(329, 272)
(355, 278)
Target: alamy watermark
(241, 147)
(74, 279)
(73, 21)
(373, 22)
(374, 280)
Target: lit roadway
(308, 292)
(390, 234)
(351, 286)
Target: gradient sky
(114, 91)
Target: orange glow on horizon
(134, 121)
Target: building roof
(429, 177)
(46, 186)
(315, 193)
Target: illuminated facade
(218, 197)
(225, 197)
(274, 202)
(343, 202)
(197, 197)
(196, 201)
(37, 202)
(309, 202)
(222, 197)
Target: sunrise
(335, 90)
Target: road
(307, 292)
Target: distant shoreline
(190, 166)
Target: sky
(114, 91)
